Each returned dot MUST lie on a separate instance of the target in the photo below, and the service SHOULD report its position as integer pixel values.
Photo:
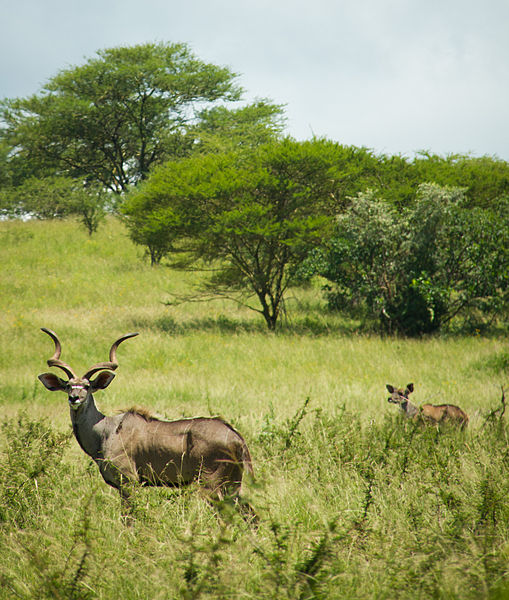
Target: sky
(395, 76)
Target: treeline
(148, 132)
(408, 257)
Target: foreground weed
(280, 437)
(304, 577)
(50, 577)
(495, 417)
(67, 582)
(202, 562)
(31, 459)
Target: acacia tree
(56, 198)
(484, 179)
(111, 119)
(252, 215)
(221, 129)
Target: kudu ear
(52, 382)
(390, 389)
(102, 381)
(410, 387)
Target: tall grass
(354, 502)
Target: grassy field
(354, 502)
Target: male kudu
(441, 413)
(134, 446)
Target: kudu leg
(126, 507)
(224, 485)
(123, 479)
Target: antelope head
(80, 389)
(399, 396)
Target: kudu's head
(399, 395)
(80, 389)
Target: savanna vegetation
(286, 284)
(257, 221)
(354, 501)
(211, 183)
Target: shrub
(30, 462)
(417, 269)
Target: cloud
(393, 75)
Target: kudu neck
(86, 425)
(409, 408)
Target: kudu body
(134, 447)
(435, 414)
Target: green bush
(417, 269)
(28, 468)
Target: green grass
(354, 502)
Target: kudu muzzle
(77, 394)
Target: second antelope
(135, 447)
(441, 413)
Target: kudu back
(135, 447)
(435, 414)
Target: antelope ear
(102, 381)
(410, 387)
(390, 389)
(52, 382)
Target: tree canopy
(484, 179)
(202, 177)
(252, 215)
(56, 198)
(222, 129)
(114, 117)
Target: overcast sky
(396, 76)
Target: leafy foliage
(252, 215)
(417, 269)
(48, 198)
(32, 455)
(90, 205)
(56, 198)
(221, 129)
(112, 118)
(484, 179)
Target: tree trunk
(270, 316)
